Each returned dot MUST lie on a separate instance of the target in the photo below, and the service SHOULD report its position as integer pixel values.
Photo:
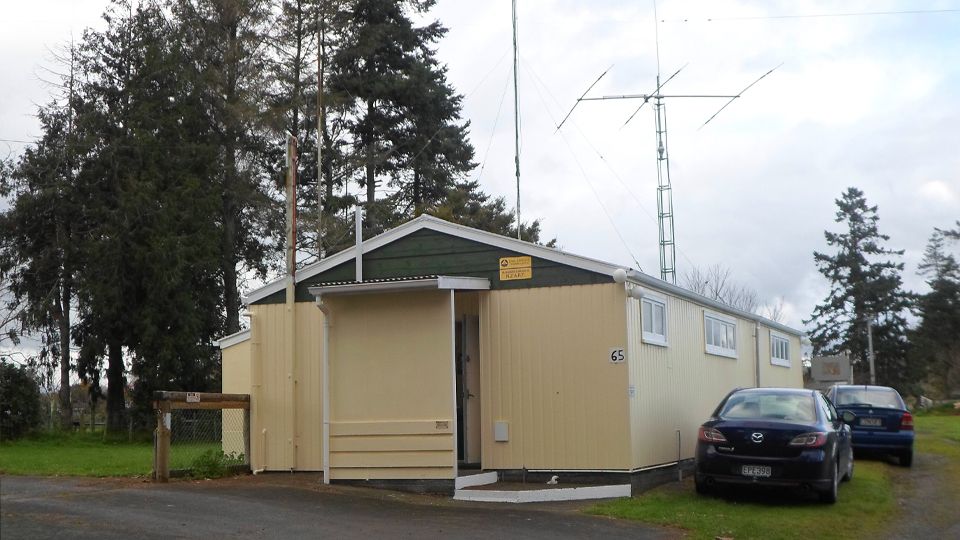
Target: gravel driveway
(929, 506)
(276, 506)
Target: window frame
(652, 338)
(718, 350)
(777, 360)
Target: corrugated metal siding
(235, 369)
(271, 399)
(545, 370)
(391, 380)
(773, 375)
(309, 387)
(678, 386)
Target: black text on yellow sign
(516, 268)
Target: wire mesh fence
(200, 434)
(200, 437)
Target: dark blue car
(776, 437)
(883, 422)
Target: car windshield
(869, 397)
(756, 406)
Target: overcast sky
(865, 101)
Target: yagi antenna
(736, 96)
(668, 258)
(579, 99)
(654, 93)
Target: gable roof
(512, 244)
(438, 225)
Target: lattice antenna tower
(667, 240)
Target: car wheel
(829, 495)
(849, 476)
(700, 486)
(906, 458)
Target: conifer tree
(865, 285)
(936, 340)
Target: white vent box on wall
(501, 431)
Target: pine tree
(936, 340)
(41, 230)
(148, 290)
(225, 45)
(370, 77)
(465, 203)
(436, 149)
(864, 286)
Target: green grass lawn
(86, 454)
(864, 507)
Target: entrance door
(468, 388)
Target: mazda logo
(757, 438)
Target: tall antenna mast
(668, 255)
(516, 113)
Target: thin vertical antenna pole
(516, 113)
(656, 38)
(320, 186)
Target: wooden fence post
(161, 454)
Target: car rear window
(754, 406)
(869, 397)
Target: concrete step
(526, 493)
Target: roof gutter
(643, 279)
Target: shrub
(214, 464)
(19, 401)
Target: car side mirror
(848, 417)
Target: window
(779, 350)
(653, 315)
(721, 334)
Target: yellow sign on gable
(516, 268)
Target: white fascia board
(463, 283)
(650, 281)
(233, 339)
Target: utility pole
(291, 307)
(321, 126)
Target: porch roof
(402, 284)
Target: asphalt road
(265, 507)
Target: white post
(359, 242)
(870, 357)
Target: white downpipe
(757, 334)
(358, 232)
(326, 388)
(453, 373)
(263, 450)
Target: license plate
(876, 422)
(756, 470)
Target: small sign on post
(193, 397)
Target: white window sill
(779, 362)
(655, 339)
(726, 353)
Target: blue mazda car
(783, 437)
(883, 422)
